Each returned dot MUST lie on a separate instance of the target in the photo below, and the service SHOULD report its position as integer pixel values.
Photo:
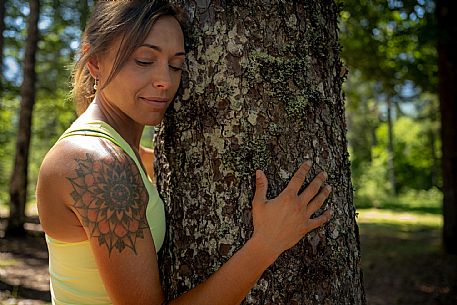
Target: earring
(95, 84)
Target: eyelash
(147, 63)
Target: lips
(159, 103)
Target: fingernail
(258, 174)
(309, 162)
(328, 187)
(325, 175)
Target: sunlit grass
(398, 234)
(382, 216)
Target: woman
(103, 219)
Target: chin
(154, 121)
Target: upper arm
(105, 190)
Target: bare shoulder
(89, 187)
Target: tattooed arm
(102, 194)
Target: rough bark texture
(263, 91)
(447, 70)
(18, 186)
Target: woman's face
(146, 84)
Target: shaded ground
(24, 275)
(404, 264)
(402, 261)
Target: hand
(281, 222)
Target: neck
(129, 130)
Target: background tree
(446, 12)
(263, 91)
(2, 28)
(84, 11)
(9, 96)
(18, 186)
(392, 44)
(59, 28)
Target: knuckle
(306, 166)
(325, 192)
(300, 174)
(256, 203)
(314, 186)
(289, 195)
(323, 176)
(320, 200)
(318, 180)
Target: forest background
(392, 108)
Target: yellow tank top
(74, 275)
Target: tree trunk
(263, 91)
(84, 12)
(390, 147)
(18, 186)
(446, 11)
(2, 29)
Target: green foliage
(52, 116)
(60, 31)
(415, 167)
(391, 41)
(362, 116)
(7, 136)
(390, 50)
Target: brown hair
(129, 20)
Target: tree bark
(18, 186)
(263, 91)
(446, 11)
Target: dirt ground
(407, 268)
(24, 278)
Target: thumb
(261, 187)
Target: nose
(162, 78)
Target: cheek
(176, 82)
(126, 81)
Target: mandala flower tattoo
(111, 199)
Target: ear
(93, 64)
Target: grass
(417, 201)
(399, 218)
(398, 234)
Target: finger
(261, 187)
(318, 200)
(319, 221)
(314, 187)
(299, 177)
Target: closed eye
(144, 63)
(175, 68)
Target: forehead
(166, 33)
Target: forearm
(232, 282)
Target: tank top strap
(104, 130)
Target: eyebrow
(159, 49)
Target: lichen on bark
(262, 90)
